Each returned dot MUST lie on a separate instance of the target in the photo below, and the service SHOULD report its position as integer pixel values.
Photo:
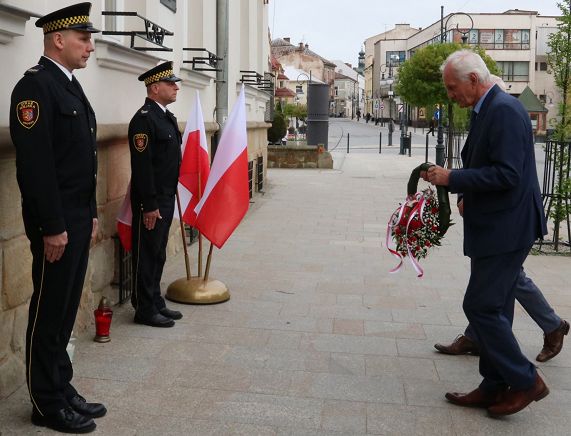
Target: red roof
(284, 92)
(275, 63)
(282, 76)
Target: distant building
(308, 62)
(515, 39)
(357, 89)
(395, 42)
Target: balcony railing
(211, 60)
(263, 82)
(153, 33)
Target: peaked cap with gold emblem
(162, 72)
(74, 17)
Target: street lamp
(440, 135)
(299, 91)
(464, 31)
(389, 81)
(299, 86)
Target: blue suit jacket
(503, 211)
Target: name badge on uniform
(140, 141)
(28, 112)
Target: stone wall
(298, 157)
(16, 260)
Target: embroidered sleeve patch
(140, 141)
(28, 112)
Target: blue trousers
(489, 306)
(534, 303)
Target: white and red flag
(195, 165)
(125, 220)
(226, 196)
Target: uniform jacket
(503, 210)
(154, 143)
(53, 128)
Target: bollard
(347, 143)
(426, 150)
(380, 141)
(409, 144)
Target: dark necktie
(76, 84)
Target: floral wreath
(419, 223)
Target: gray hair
(465, 62)
(498, 81)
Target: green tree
(559, 61)
(419, 82)
(301, 112)
(278, 129)
(298, 111)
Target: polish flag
(226, 197)
(195, 165)
(125, 220)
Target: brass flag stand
(196, 290)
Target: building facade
(110, 82)
(356, 87)
(300, 57)
(377, 64)
(516, 40)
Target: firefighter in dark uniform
(154, 143)
(53, 128)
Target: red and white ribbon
(418, 202)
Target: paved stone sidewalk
(318, 338)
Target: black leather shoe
(157, 320)
(172, 314)
(64, 420)
(91, 410)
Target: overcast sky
(336, 29)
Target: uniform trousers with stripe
(149, 257)
(53, 307)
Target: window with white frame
(514, 71)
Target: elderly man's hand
(437, 175)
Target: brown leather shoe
(553, 342)
(514, 401)
(476, 398)
(461, 345)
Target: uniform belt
(77, 199)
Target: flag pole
(208, 259)
(199, 254)
(199, 233)
(186, 261)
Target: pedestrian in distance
(358, 114)
(53, 128)
(367, 117)
(431, 126)
(503, 216)
(154, 144)
(531, 299)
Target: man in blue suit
(503, 216)
(531, 299)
